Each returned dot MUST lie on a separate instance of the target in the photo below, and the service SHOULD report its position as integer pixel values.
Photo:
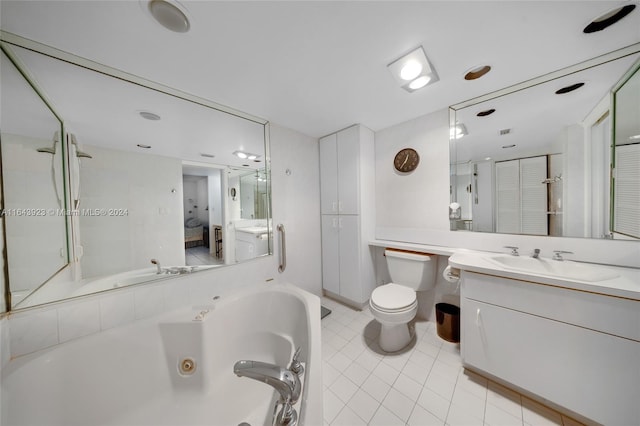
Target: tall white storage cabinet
(348, 213)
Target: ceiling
(317, 67)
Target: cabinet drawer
(591, 373)
(613, 315)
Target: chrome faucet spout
(157, 263)
(284, 381)
(536, 253)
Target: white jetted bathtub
(174, 369)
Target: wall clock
(406, 160)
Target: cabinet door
(328, 175)
(594, 374)
(330, 253)
(350, 277)
(348, 145)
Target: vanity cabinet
(577, 350)
(348, 213)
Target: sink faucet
(157, 263)
(284, 381)
(536, 253)
(557, 254)
(514, 250)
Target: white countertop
(422, 248)
(626, 284)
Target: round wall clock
(406, 160)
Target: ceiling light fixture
(149, 115)
(246, 155)
(458, 131)
(486, 112)
(143, 146)
(204, 154)
(608, 19)
(170, 15)
(568, 89)
(509, 146)
(477, 72)
(413, 71)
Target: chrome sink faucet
(281, 379)
(557, 254)
(157, 263)
(536, 253)
(514, 250)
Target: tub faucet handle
(514, 250)
(296, 366)
(557, 254)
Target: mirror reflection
(148, 183)
(32, 184)
(537, 161)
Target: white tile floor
(200, 256)
(424, 385)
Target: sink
(253, 229)
(563, 269)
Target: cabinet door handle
(478, 317)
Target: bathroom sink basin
(565, 269)
(253, 229)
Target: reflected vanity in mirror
(133, 179)
(536, 158)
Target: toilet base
(394, 337)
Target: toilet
(393, 305)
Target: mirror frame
(10, 39)
(590, 63)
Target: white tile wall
(78, 319)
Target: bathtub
(123, 279)
(135, 374)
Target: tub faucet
(284, 381)
(157, 263)
(536, 253)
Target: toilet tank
(410, 269)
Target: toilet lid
(393, 297)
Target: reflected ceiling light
(168, 13)
(147, 115)
(143, 146)
(458, 131)
(509, 146)
(204, 154)
(569, 88)
(246, 155)
(635, 137)
(413, 71)
(608, 19)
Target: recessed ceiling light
(207, 155)
(608, 19)
(477, 72)
(509, 146)
(487, 158)
(140, 145)
(149, 115)
(169, 15)
(569, 88)
(486, 112)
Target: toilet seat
(393, 298)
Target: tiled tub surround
(425, 385)
(132, 371)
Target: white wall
(413, 208)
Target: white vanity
(566, 332)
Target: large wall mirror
(130, 183)
(539, 158)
